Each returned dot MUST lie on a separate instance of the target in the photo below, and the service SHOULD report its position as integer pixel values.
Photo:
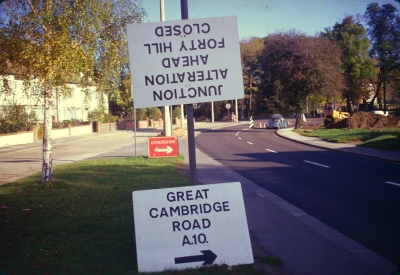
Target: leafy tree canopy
(356, 65)
(55, 41)
(251, 50)
(299, 66)
(384, 31)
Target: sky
(258, 18)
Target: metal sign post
(190, 117)
(228, 106)
(185, 62)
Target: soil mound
(179, 132)
(368, 120)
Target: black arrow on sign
(208, 257)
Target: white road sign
(185, 61)
(187, 227)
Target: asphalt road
(350, 193)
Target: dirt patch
(366, 120)
(370, 121)
(179, 132)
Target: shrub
(56, 125)
(154, 113)
(15, 119)
(141, 114)
(144, 113)
(96, 115)
(176, 112)
(101, 115)
(109, 118)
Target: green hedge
(16, 119)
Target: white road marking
(272, 151)
(250, 142)
(393, 183)
(239, 138)
(317, 164)
(237, 133)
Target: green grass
(384, 139)
(82, 223)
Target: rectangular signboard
(187, 227)
(185, 61)
(163, 147)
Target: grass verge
(82, 223)
(384, 139)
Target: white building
(76, 103)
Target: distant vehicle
(333, 116)
(379, 112)
(276, 121)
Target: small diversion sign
(187, 227)
(185, 61)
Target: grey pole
(134, 118)
(212, 111)
(236, 111)
(167, 126)
(190, 118)
(184, 10)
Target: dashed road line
(251, 143)
(272, 151)
(393, 183)
(316, 164)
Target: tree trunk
(384, 99)
(241, 109)
(349, 105)
(47, 161)
(298, 121)
(380, 82)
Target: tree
(121, 103)
(354, 43)
(53, 42)
(384, 32)
(297, 66)
(250, 52)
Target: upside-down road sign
(185, 61)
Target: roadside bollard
(251, 122)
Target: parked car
(276, 121)
(379, 112)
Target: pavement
(308, 246)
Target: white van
(379, 112)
